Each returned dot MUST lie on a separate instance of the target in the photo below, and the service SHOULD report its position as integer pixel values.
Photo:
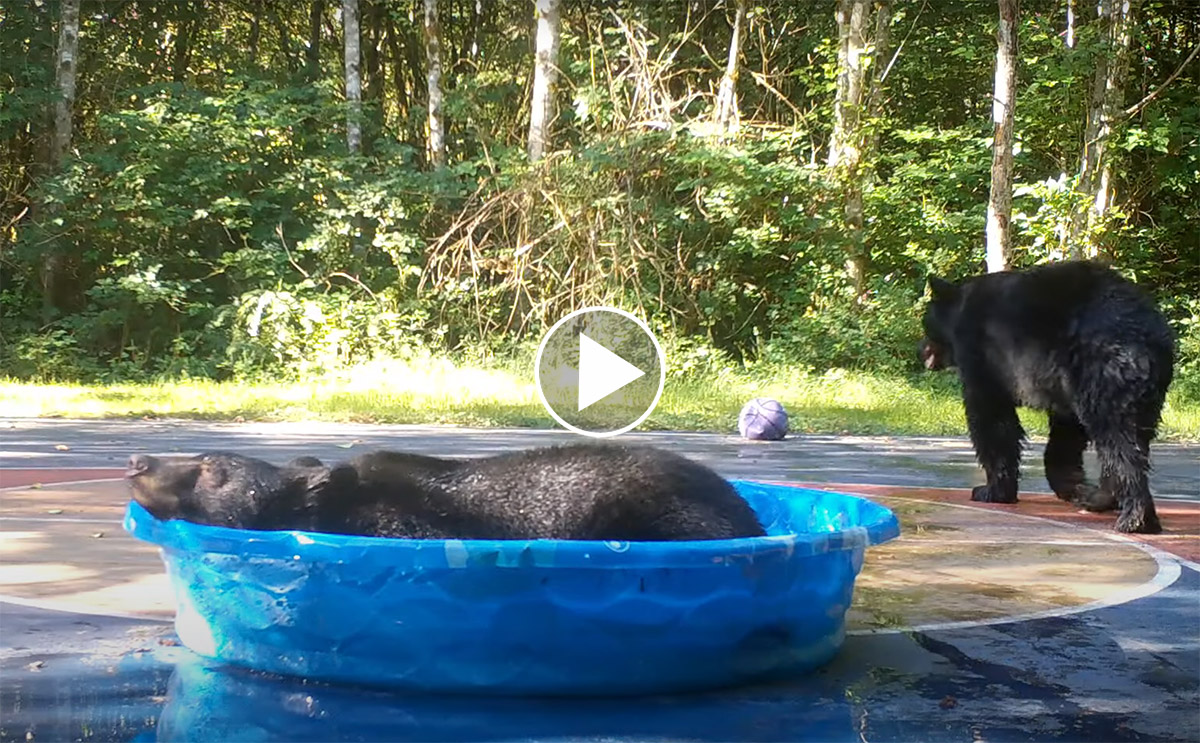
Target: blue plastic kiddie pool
(523, 617)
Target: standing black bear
(1074, 339)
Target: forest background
(372, 209)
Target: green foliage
(212, 224)
(305, 333)
(198, 208)
(1187, 339)
(878, 335)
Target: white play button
(600, 371)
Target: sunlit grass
(441, 392)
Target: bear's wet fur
(1074, 339)
(581, 491)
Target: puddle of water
(141, 699)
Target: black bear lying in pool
(607, 492)
(1074, 339)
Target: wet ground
(1003, 623)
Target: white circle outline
(1170, 569)
(662, 372)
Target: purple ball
(763, 419)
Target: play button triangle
(601, 372)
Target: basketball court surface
(980, 623)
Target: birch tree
(726, 111)
(545, 77)
(1070, 34)
(433, 80)
(852, 16)
(1093, 186)
(880, 66)
(54, 262)
(999, 214)
(350, 30)
(64, 108)
(845, 149)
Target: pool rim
(176, 535)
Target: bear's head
(936, 349)
(229, 489)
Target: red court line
(19, 478)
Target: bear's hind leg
(1120, 404)
(1124, 468)
(997, 436)
(1064, 465)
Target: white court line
(1169, 570)
(69, 607)
(1185, 497)
(61, 519)
(935, 542)
(58, 469)
(64, 519)
(45, 485)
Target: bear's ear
(322, 478)
(304, 462)
(940, 289)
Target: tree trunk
(55, 266)
(848, 99)
(372, 58)
(399, 84)
(726, 112)
(1114, 99)
(545, 77)
(285, 37)
(1093, 147)
(350, 30)
(183, 48)
(255, 31)
(1108, 93)
(64, 108)
(433, 79)
(879, 68)
(312, 55)
(845, 149)
(476, 16)
(1070, 36)
(999, 214)
(373, 69)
